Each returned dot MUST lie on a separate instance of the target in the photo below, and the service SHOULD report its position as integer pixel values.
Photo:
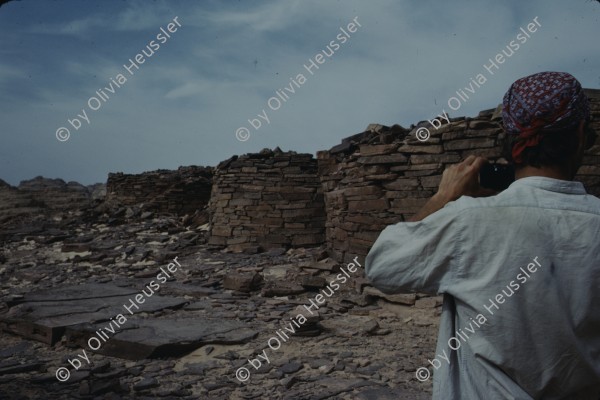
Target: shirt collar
(551, 184)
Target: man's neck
(547, 172)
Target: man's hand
(462, 180)
(458, 180)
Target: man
(520, 271)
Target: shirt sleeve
(417, 256)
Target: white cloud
(8, 72)
(137, 15)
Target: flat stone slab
(44, 315)
(328, 388)
(152, 338)
(408, 299)
(390, 394)
(351, 325)
(90, 311)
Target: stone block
(447, 158)
(406, 299)
(468, 144)
(422, 172)
(382, 177)
(359, 191)
(376, 150)
(312, 317)
(429, 302)
(313, 282)
(423, 149)
(273, 289)
(307, 240)
(482, 125)
(220, 230)
(402, 184)
(491, 154)
(242, 282)
(431, 181)
(368, 205)
(589, 170)
(387, 159)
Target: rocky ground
(360, 346)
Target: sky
(196, 98)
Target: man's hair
(556, 148)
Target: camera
(496, 176)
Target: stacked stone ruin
(343, 198)
(267, 200)
(179, 192)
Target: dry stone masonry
(179, 192)
(267, 200)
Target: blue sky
(219, 69)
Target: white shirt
(536, 245)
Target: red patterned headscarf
(542, 103)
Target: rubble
(190, 346)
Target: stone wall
(385, 175)
(40, 195)
(267, 200)
(589, 173)
(183, 191)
